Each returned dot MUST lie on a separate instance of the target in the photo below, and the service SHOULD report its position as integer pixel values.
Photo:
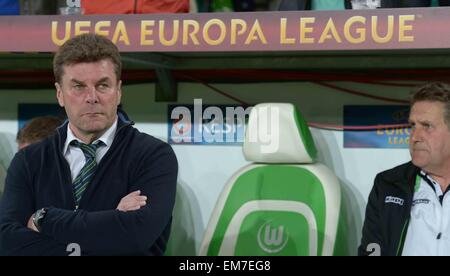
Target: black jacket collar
(403, 176)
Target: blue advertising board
(365, 115)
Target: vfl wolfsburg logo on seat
(272, 240)
(271, 227)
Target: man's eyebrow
(105, 79)
(77, 81)
(423, 122)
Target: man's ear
(59, 95)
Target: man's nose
(92, 95)
(416, 135)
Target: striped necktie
(84, 177)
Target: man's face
(90, 93)
(429, 143)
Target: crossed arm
(131, 229)
(131, 202)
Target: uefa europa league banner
(227, 32)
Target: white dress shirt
(75, 156)
(429, 226)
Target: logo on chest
(394, 200)
(420, 201)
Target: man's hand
(31, 225)
(131, 202)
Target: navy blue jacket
(39, 176)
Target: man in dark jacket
(408, 211)
(98, 186)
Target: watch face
(38, 217)
(41, 213)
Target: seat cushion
(268, 210)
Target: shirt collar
(433, 183)
(107, 137)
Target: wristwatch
(38, 217)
